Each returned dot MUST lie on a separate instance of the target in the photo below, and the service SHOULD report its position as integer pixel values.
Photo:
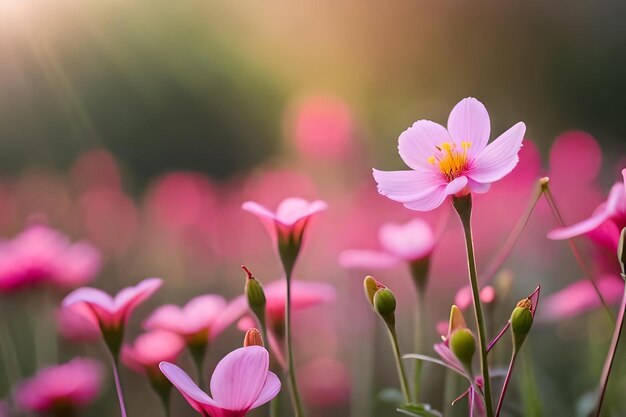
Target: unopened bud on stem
(255, 295)
(253, 338)
(521, 322)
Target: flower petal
(239, 377)
(90, 296)
(407, 186)
(410, 241)
(456, 185)
(429, 201)
(197, 398)
(478, 187)
(499, 157)
(259, 210)
(293, 209)
(417, 143)
(579, 228)
(469, 121)
(271, 388)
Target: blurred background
(142, 126)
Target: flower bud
(371, 286)
(521, 322)
(621, 252)
(253, 338)
(457, 321)
(255, 295)
(463, 345)
(385, 306)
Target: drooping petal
(580, 228)
(469, 121)
(499, 157)
(239, 377)
(431, 199)
(197, 398)
(456, 185)
(270, 389)
(407, 186)
(417, 143)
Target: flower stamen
(452, 162)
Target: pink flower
(203, 317)
(152, 348)
(69, 386)
(241, 381)
(450, 161)
(409, 242)
(580, 297)
(78, 323)
(41, 255)
(607, 219)
(290, 218)
(113, 312)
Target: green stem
(198, 353)
(420, 337)
(291, 371)
(404, 384)
(274, 404)
(505, 386)
(463, 206)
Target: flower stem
(574, 248)
(608, 364)
(463, 206)
(291, 371)
(499, 336)
(118, 385)
(404, 384)
(420, 338)
(505, 386)
(275, 402)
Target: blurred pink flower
(323, 127)
(608, 218)
(113, 312)
(580, 297)
(77, 323)
(152, 348)
(241, 381)
(66, 387)
(450, 162)
(41, 255)
(205, 317)
(303, 294)
(463, 297)
(290, 218)
(409, 242)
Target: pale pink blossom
(72, 385)
(241, 382)
(451, 161)
(113, 312)
(152, 348)
(608, 218)
(41, 255)
(205, 317)
(77, 323)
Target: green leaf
(419, 410)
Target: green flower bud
(621, 252)
(385, 306)
(521, 322)
(255, 295)
(463, 345)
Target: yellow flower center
(451, 161)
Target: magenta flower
(609, 218)
(241, 381)
(409, 242)
(41, 255)
(150, 349)
(203, 317)
(452, 161)
(61, 388)
(113, 312)
(77, 323)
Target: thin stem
(118, 385)
(463, 205)
(499, 336)
(495, 265)
(404, 384)
(274, 403)
(608, 364)
(420, 337)
(198, 353)
(293, 384)
(505, 386)
(574, 248)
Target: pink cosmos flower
(203, 317)
(580, 297)
(41, 255)
(150, 349)
(113, 312)
(290, 218)
(451, 161)
(241, 381)
(607, 219)
(63, 387)
(409, 242)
